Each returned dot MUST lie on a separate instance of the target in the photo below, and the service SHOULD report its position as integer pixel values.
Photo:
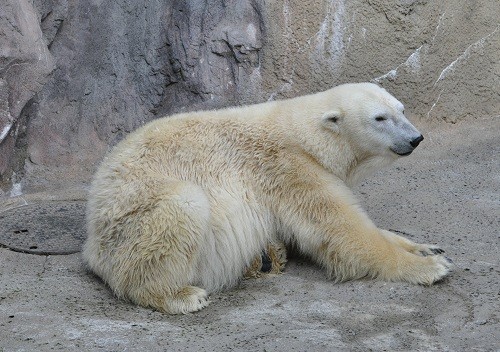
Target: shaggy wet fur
(185, 204)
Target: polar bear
(183, 205)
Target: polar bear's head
(372, 120)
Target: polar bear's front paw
(434, 270)
(428, 249)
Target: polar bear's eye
(380, 118)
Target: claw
(436, 250)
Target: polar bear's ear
(330, 120)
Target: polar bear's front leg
(330, 227)
(355, 252)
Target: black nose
(414, 143)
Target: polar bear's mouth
(406, 153)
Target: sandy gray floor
(447, 192)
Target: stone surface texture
(76, 76)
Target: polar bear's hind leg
(156, 263)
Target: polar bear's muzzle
(407, 148)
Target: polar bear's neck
(364, 168)
(341, 159)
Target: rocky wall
(76, 76)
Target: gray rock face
(77, 76)
(25, 63)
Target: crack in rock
(464, 56)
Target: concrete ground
(447, 192)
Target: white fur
(192, 199)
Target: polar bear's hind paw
(189, 299)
